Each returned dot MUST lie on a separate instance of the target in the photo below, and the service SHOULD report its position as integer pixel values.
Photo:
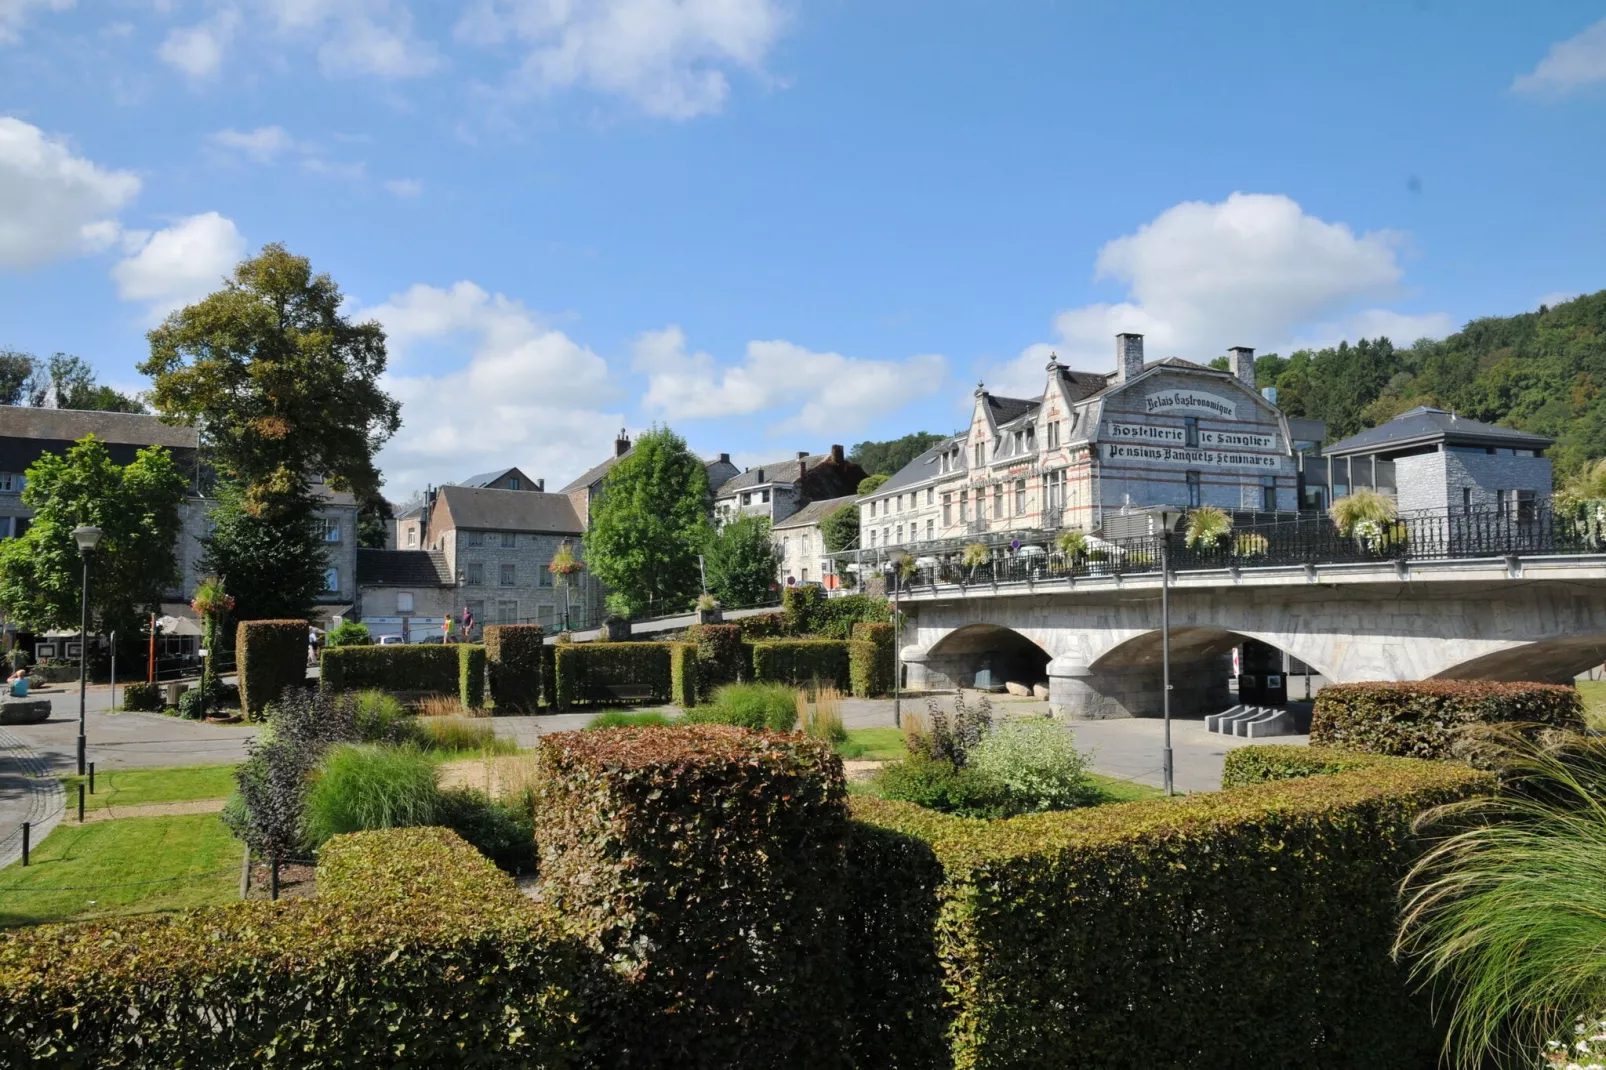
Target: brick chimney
(540, 484)
(621, 445)
(1243, 365)
(1128, 357)
(802, 464)
(724, 458)
(837, 456)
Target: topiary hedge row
(513, 661)
(427, 668)
(721, 657)
(704, 863)
(415, 952)
(1435, 718)
(871, 660)
(1261, 763)
(1250, 927)
(685, 674)
(583, 672)
(800, 662)
(270, 655)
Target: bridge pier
(1079, 691)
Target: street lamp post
(1165, 652)
(88, 537)
(896, 571)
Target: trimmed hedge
(582, 672)
(1250, 927)
(428, 668)
(1436, 718)
(685, 675)
(762, 626)
(807, 611)
(270, 656)
(143, 697)
(471, 675)
(513, 659)
(801, 661)
(1261, 763)
(871, 659)
(721, 659)
(704, 863)
(415, 952)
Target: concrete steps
(1252, 722)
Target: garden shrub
(759, 707)
(504, 832)
(944, 787)
(270, 655)
(143, 697)
(459, 734)
(415, 952)
(189, 705)
(807, 611)
(583, 671)
(363, 786)
(1243, 928)
(684, 675)
(761, 626)
(513, 659)
(871, 659)
(1437, 718)
(350, 633)
(941, 739)
(800, 662)
(380, 715)
(471, 675)
(1260, 763)
(1036, 761)
(426, 668)
(720, 657)
(704, 864)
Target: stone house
(802, 546)
(1434, 460)
(405, 592)
(777, 490)
(1097, 452)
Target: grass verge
(135, 865)
(137, 787)
(873, 744)
(1593, 694)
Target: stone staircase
(1252, 722)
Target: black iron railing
(1315, 540)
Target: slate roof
(402, 568)
(814, 512)
(70, 425)
(1006, 409)
(484, 509)
(485, 479)
(772, 471)
(1423, 426)
(595, 473)
(922, 468)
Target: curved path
(28, 792)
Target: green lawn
(873, 744)
(70, 870)
(1593, 692)
(1113, 790)
(136, 787)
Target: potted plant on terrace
(974, 556)
(708, 609)
(1207, 527)
(1369, 517)
(1073, 545)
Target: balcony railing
(1532, 529)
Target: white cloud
(357, 37)
(54, 204)
(264, 144)
(14, 15)
(198, 50)
(405, 188)
(825, 391)
(351, 172)
(1570, 65)
(668, 56)
(526, 391)
(180, 264)
(1254, 270)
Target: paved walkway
(28, 792)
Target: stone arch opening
(985, 655)
(1126, 680)
(1555, 661)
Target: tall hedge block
(800, 662)
(1436, 718)
(871, 659)
(513, 661)
(583, 672)
(685, 675)
(270, 656)
(428, 668)
(704, 863)
(471, 675)
(1251, 927)
(720, 657)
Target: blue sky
(778, 224)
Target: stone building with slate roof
(405, 592)
(802, 547)
(779, 489)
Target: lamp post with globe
(88, 537)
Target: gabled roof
(1006, 409)
(769, 472)
(70, 425)
(402, 568)
(922, 468)
(595, 473)
(510, 510)
(485, 479)
(1424, 426)
(814, 512)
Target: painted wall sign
(1204, 458)
(1242, 439)
(1144, 433)
(1191, 401)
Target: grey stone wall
(533, 588)
(1422, 483)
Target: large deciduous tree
(136, 506)
(839, 529)
(742, 562)
(650, 525)
(886, 458)
(273, 562)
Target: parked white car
(390, 640)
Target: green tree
(15, 370)
(63, 382)
(743, 562)
(136, 506)
(374, 518)
(281, 384)
(839, 529)
(871, 484)
(886, 458)
(650, 525)
(273, 562)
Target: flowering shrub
(1037, 762)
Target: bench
(630, 692)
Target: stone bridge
(1097, 640)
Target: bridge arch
(1003, 654)
(1556, 661)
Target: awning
(177, 618)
